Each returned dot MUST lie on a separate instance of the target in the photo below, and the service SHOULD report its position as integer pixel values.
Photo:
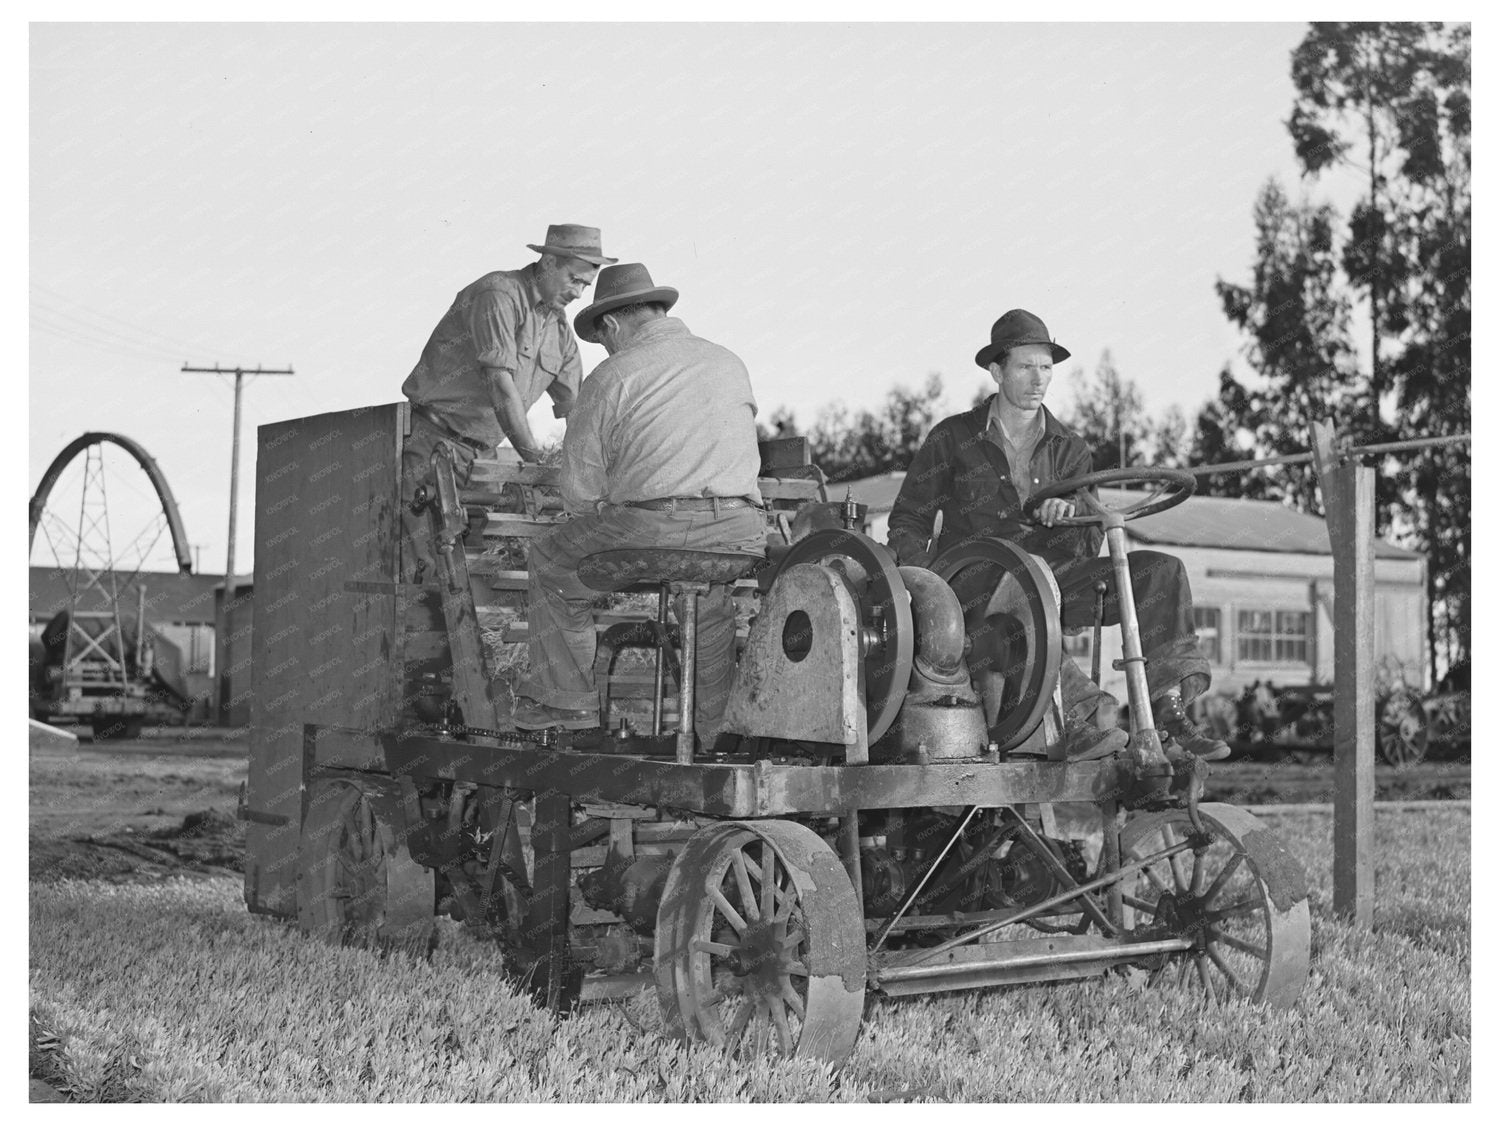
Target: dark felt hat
(1013, 329)
(616, 287)
(569, 240)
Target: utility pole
(223, 640)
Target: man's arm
(494, 320)
(563, 398)
(510, 411)
(1083, 541)
(928, 482)
(563, 390)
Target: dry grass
(172, 992)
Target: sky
(845, 206)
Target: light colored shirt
(668, 415)
(1017, 453)
(497, 322)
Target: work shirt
(497, 322)
(668, 415)
(965, 474)
(1017, 454)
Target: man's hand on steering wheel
(1050, 512)
(1170, 487)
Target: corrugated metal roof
(878, 492)
(1238, 525)
(1200, 521)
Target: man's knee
(1156, 568)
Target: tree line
(1392, 101)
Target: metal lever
(1100, 588)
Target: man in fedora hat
(660, 451)
(978, 468)
(503, 342)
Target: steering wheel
(1173, 486)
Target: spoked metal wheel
(1401, 730)
(1237, 894)
(760, 944)
(357, 884)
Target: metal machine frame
(757, 886)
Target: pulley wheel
(885, 612)
(1015, 621)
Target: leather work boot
(1084, 742)
(530, 714)
(1172, 718)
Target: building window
(1206, 622)
(1273, 636)
(201, 649)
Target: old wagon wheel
(357, 883)
(1401, 729)
(760, 943)
(1241, 898)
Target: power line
(69, 320)
(76, 336)
(73, 308)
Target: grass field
(172, 992)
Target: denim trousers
(416, 472)
(561, 637)
(1164, 610)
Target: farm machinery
(116, 673)
(877, 815)
(1408, 726)
(99, 660)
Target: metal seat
(619, 569)
(668, 571)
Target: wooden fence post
(1349, 501)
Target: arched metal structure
(147, 464)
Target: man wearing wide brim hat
(619, 288)
(503, 342)
(977, 469)
(660, 452)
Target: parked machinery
(872, 821)
(95, 662)
(1409, 727)
(103, 669)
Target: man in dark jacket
(977, 469)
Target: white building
(1262, 581)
